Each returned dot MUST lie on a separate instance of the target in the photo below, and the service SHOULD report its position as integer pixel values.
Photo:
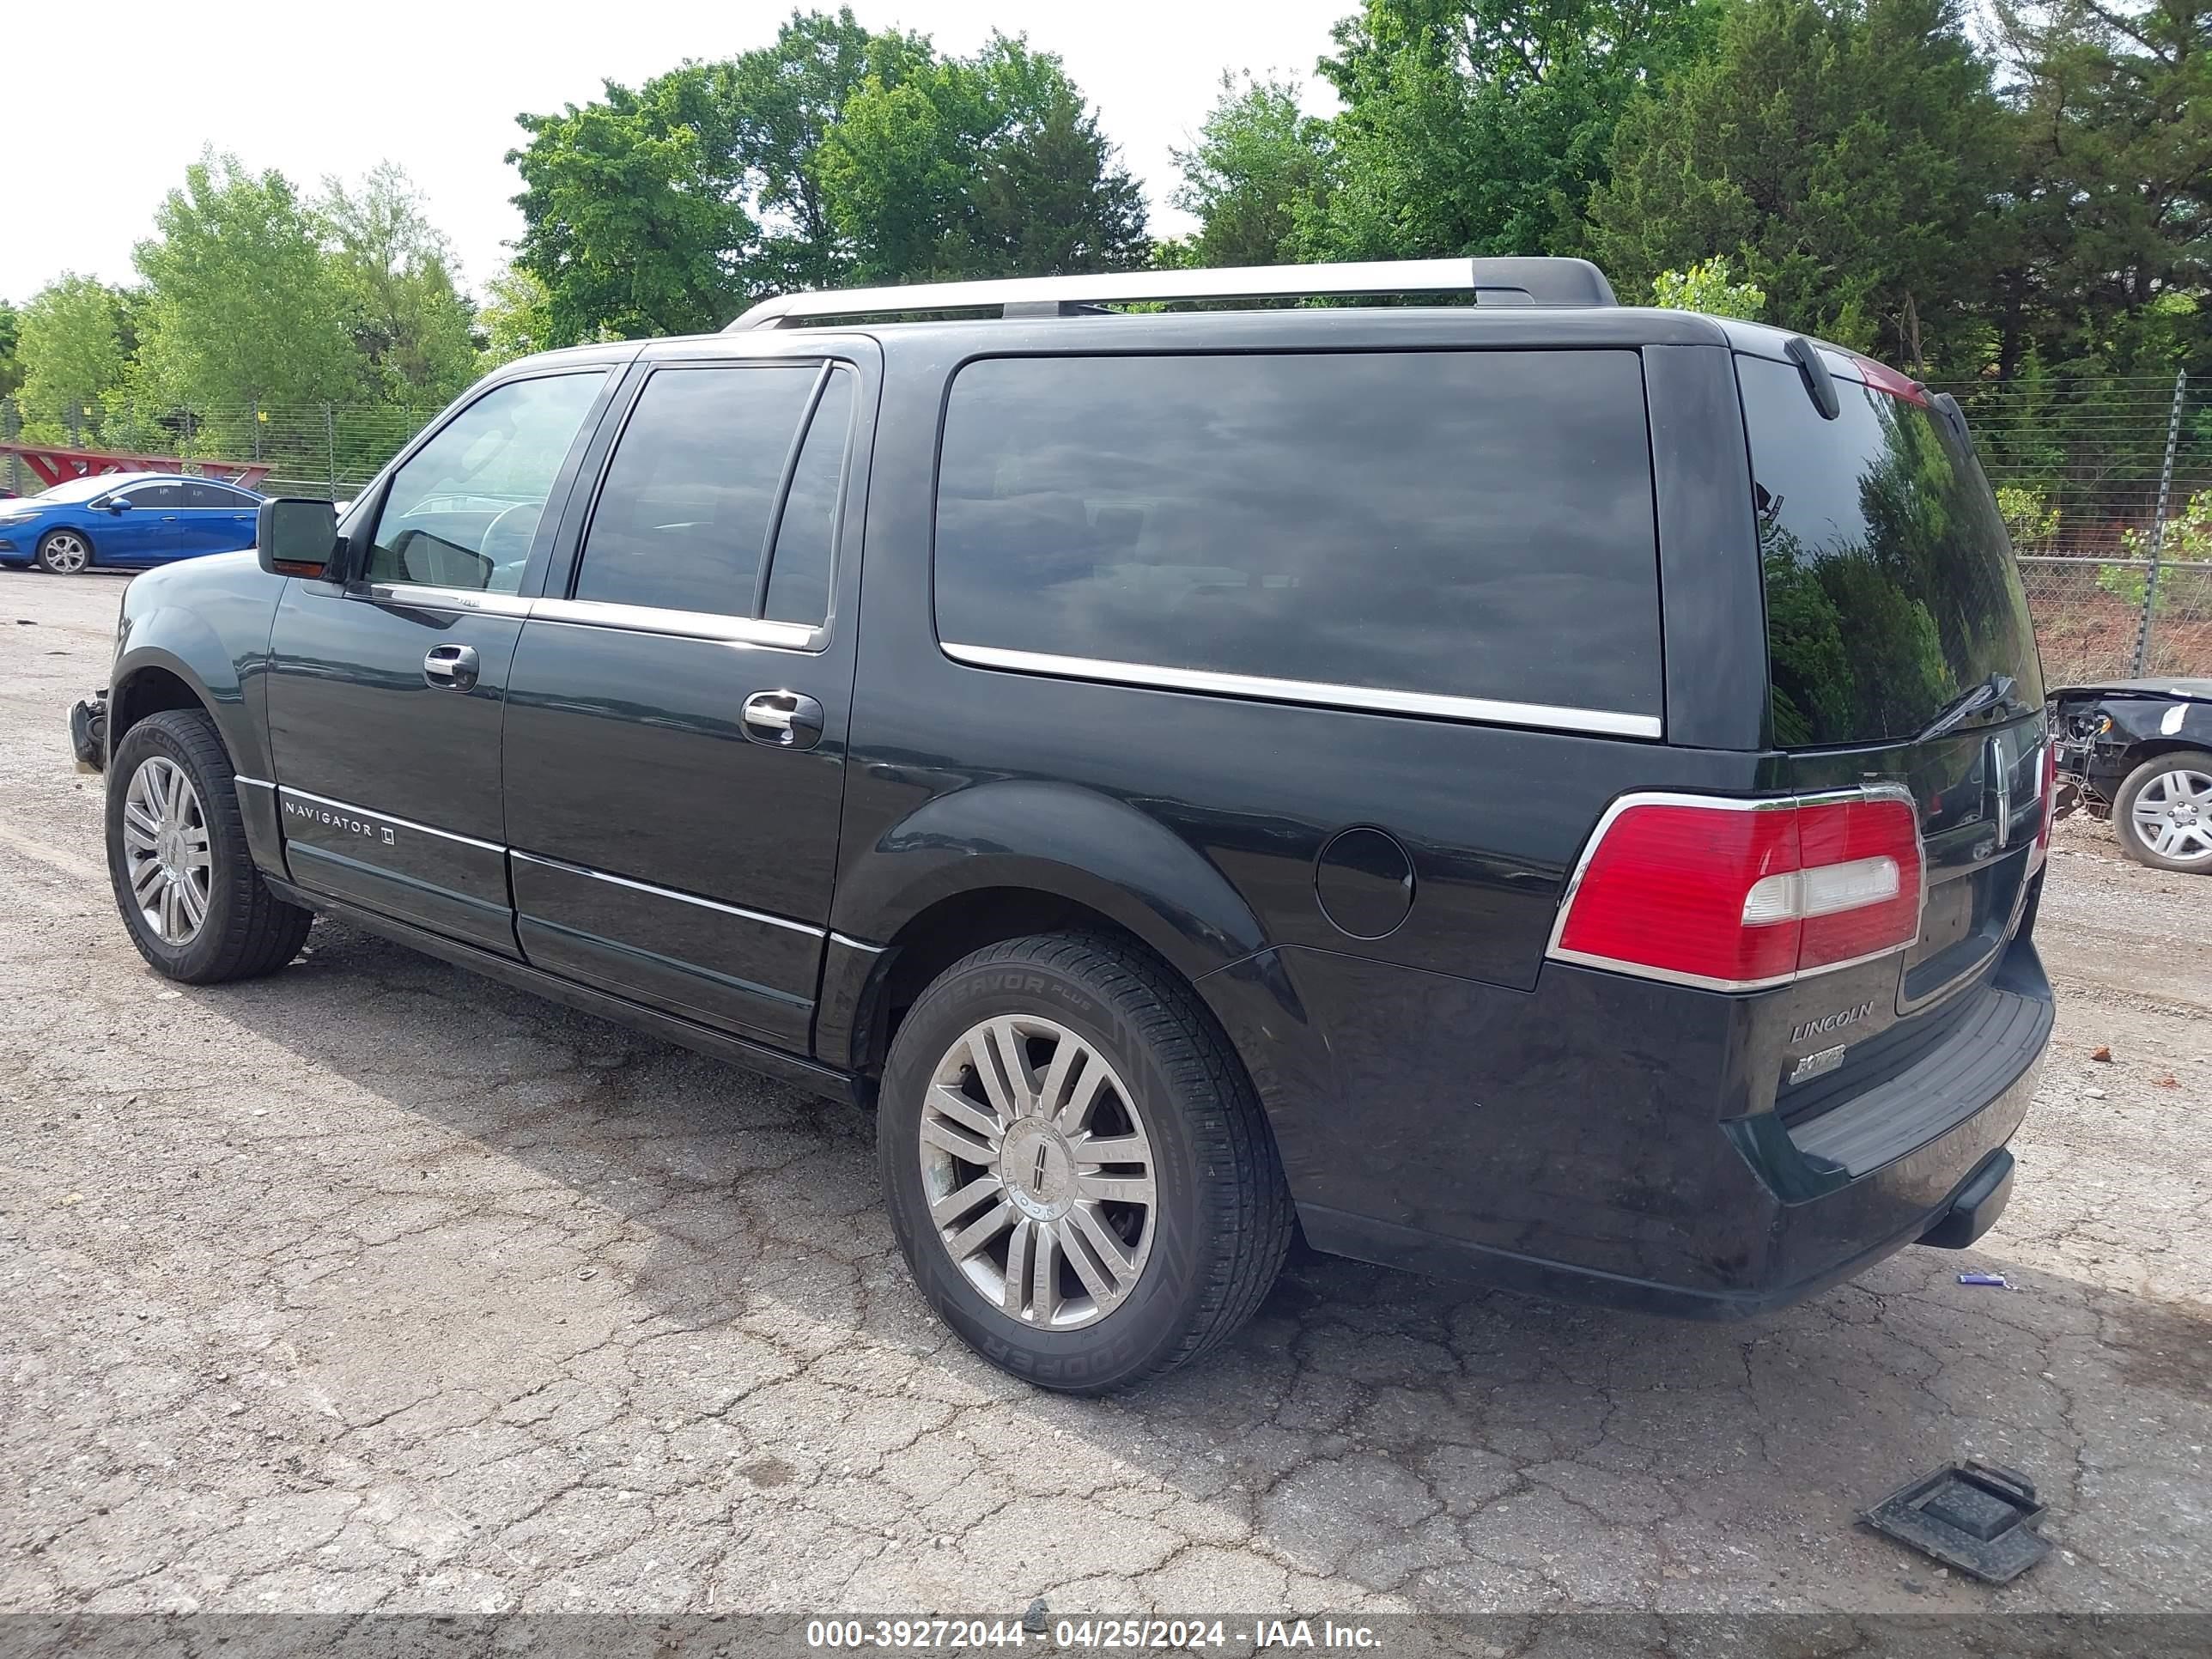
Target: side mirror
(111, 503)
(296, 537)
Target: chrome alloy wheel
(2172, 816)
(165, 847)
(1038, 1172)
(65, 552)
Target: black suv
(1528, 788)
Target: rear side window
(1890, 589)
(682, 521)
(1473, 524)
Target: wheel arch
(149, 689)
(150, 678)
(1000, 860)
(2151, 748)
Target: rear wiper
(1997, 689)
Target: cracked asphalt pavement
(374, 1285)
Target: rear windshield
(1470, 525)
(1890, 589)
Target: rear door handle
(451, 667)
(786, 719)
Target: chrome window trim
(387, 818)
(680, 624)
(1319, 694)
(1554, 953)
(600, 613)
(567, 868)
(425, 597)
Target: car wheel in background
(2164, 811)
(1077, 1169)
(64, 552)
(184, 878)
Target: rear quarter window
(1468, 524)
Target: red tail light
(2041, 850)
(1740, 894)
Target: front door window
(463, 511)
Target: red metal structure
(54, 466)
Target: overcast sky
(128, 94)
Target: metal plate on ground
(1975, 1516)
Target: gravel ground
(374, 1286)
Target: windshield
(82, 490)
(1891, 591)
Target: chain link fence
(314, 449)
(2105, 484)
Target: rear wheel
(2164, 811)
(64, 552)
(1078, 1170)
(184, 878)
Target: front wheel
(184, 878)
(1079, 1172)
(64, 552)
(2164, 812)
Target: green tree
(242, 305)
(1848, 152)
(516, 317)
(1709, 288)
(2184, 554)
(667, 209)
(1480, 126)
(633, 208)
(2111, 205)
(987, 165)
(410, 324)
(11, 372)
(1257, 176)
(784, 98)
(71, 350)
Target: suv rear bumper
(1651, 1204)
(1970, 1210)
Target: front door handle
(451, 667)
(785, 719)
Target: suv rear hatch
(1898, 643)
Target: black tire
(49, 557)
(2191, 760)
(246, 930)
(1222, 1218)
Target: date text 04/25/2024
(1094, 1635)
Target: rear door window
(682, 521)
(1890, 589)
(1458, 525)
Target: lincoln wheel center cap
(1037, 1170)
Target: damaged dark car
(2139, 753)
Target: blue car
(125, 519)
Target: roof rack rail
(1512, 282)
